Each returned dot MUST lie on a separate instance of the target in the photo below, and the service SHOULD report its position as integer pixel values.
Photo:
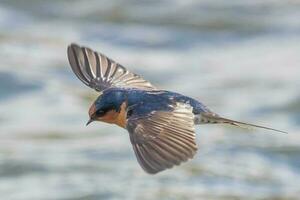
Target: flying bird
(161, 124)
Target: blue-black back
(142, 102)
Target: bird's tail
(212, 118)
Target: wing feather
(163, 138)
(100, 72)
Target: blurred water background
(241, 58)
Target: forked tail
(210, 118)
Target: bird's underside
(161, 137)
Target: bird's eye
(103, 110)
(99, 113)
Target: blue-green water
(239, 58)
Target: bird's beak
(90, 120)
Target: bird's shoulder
(141, 103)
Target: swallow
(161, 124)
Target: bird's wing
(100, 72)
(163, 139)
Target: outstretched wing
(163, 139)
(100, 72)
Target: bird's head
(106, 107)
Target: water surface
(239, 58)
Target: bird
(161, 124)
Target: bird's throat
(118, 118)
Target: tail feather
(214, 118)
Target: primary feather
(100, 72)
(163, 139)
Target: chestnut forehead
(92, 109)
